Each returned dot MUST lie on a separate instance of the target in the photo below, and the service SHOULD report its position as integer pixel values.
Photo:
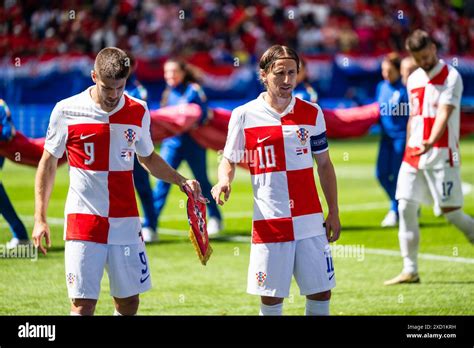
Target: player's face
(426, 58)
(389, 72)
(109, 91)
(281, 79)
(174, 75)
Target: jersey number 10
(269, 152)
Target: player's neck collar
(268, 107)
(436, 69)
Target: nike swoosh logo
(86, 136)
(329, 277)
(261, 140)
(142, 280)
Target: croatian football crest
(130, 136)
(302, 134)
(261, 276)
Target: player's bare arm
(327, 177)
(44, 183)
(157, 167)
(226, 173)
(439, 126)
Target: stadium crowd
(231, 28)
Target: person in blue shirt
(392, 97)
(303, 89)
(141, 177)
(182, 88)
(20, 236)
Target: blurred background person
(20, 236)
(182, 88)
(303, 89)
(392, 97)
(407, 66)
(141, 177)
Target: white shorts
(126, 265)
(272, 266)
(439, 186)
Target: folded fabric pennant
(198, 227)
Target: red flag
(198, 227)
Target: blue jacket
(188, 93)
(6, 121)
(306, 92)
(394, 110)
(135, 89)
(184, 94)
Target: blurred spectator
(155, 28)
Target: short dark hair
(278, 52)
(394, 59)
(418, 40)
(112, 63)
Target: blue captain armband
(319, 142)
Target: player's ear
(263, 76)
(93, 76)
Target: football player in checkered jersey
(430, 171)
(277, 135)
(102, 129)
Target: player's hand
(39, 230)
(195, 188)
(424, 148)
(218, 189)
(333, 227)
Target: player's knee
(406, 207)
(83, 306)
(271, 301)
(128, 305)
(320, 296)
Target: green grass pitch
(182, 286)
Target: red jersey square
(302, 191)
(265, 149)
(88, 146)
(122, 195)
(273, 230)
(87, 227)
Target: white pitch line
(467, 188)
(246, 239)
(434, 257)
(384, 252)
(232, 215)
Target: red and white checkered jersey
(278, 149)
(101, 205)
(427, 91)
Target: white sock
(463, 222)
(409, 234)
(314, 307)
(271, 310)
(117, 314)
(74, 314)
